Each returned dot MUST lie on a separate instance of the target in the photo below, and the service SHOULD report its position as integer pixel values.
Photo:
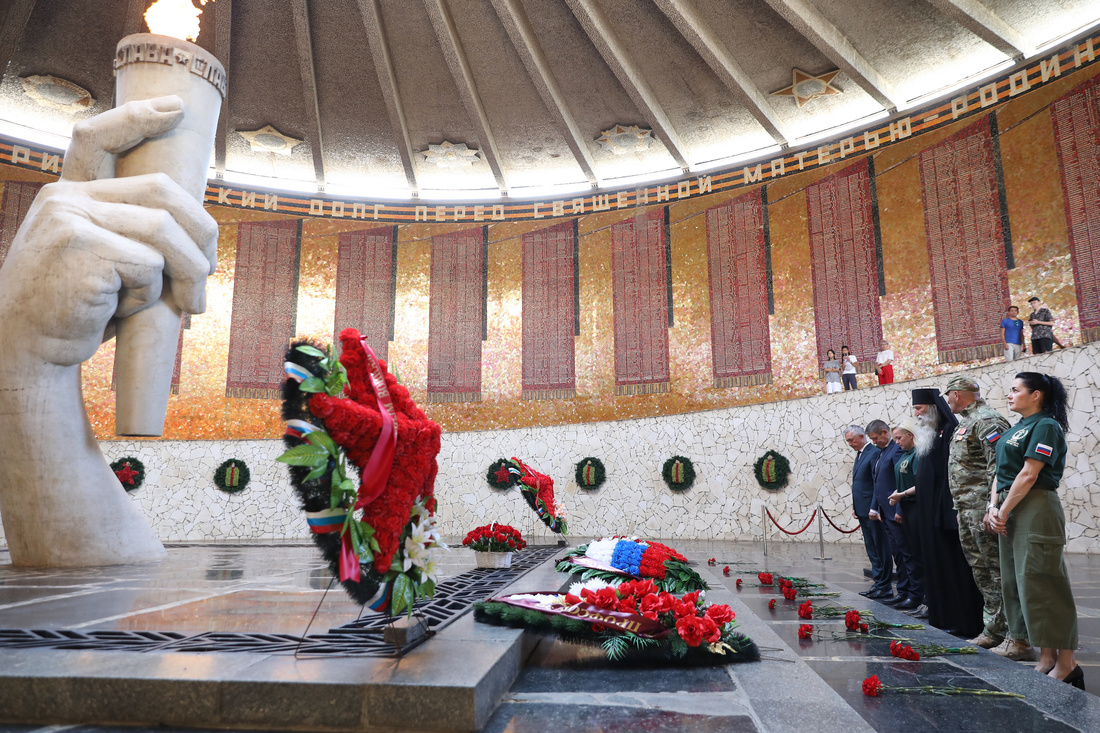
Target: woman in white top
(831, 367)
(884, 364)
(848, 373)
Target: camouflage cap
(963, 384)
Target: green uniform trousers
(1038, 602)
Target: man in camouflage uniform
(971, 469)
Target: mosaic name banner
(1011, 84)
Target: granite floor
(281, 588)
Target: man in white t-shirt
(848, 369)
(884, 363)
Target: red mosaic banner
(265, 307)
(18, 196)
(642, 304)
(845, 265)
(1077, 133)
(550, 312)
(739, 328)
(365, 281)
(456, 316)
(966, 243)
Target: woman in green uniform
(1025, 510)
(904, 499)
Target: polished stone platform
(472, 676)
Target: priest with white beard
(954, 603)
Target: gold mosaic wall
(1043, 266)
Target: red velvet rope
(808, 523)
(838, 529)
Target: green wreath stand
(502, 474)
(678, 473)
(232, 476)
(772, 471)
(590, 473)
(130, 472)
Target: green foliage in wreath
(502, 474)
(678, 473)
(772, 471)
(232, 476)
(590, 473)
(130, 472)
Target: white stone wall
(182, 503)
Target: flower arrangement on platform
(380, 537)
(537, 489)
(590, 473)
(494, 538)
(679, 473)
(772, 471)
(232, 476)
(850, 614)
(130, 472)
(914, 652)
(612, 558)
(633, 620)
(872, 686)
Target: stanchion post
(764, 527)
(820, 537)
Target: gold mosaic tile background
(1043, 266)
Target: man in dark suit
(863, 492)
(909, 591)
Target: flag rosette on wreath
(772, 470)
(613, 558)
(631, 620)
(379, 536)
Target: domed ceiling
(490, 98)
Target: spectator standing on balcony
(884, 363)
(831, 367)
(1041, 321)
(848, 372)
(1012, 333)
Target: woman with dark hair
(1025, 510)
(831, 367)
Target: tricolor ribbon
(376, 474)
(299, 428)
(332, 520)
(297, 372)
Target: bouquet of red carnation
(494, 538)
(634, 620)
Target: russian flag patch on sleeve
(992, 437)
(1043, 449)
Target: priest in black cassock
(954, 602)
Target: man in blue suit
(908, 572)
(863, 494)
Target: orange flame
(175, 18)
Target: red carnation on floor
(871, 686)
(806, 610)
(805, 631)
(864, 628)
(851, 620)
(764, 578)
(790, 592)
(771, 605)
(726, 571)
(712, 562)
(738, 584)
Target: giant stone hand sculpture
(92, 251)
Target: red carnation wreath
(381, 535)
(538, 491)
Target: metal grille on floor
(362, 637)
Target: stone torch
(150, 65)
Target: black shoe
(1075, 678)
(880, 594)
(921, 612)
(908, 604)
(896, 601)
(867, 593)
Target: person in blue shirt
(1012, 333)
